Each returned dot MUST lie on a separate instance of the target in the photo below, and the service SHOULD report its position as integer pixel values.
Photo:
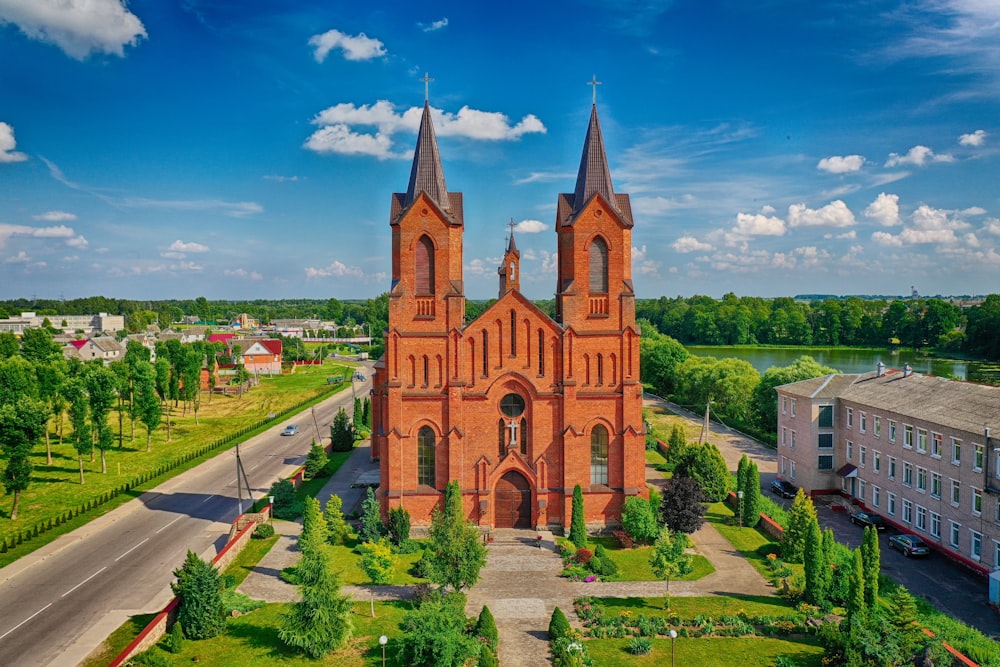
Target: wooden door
(513, 501)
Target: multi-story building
(914, 448)
(91, 324)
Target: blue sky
(248, 149)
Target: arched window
(424, 267)
(502, 437)
(427, 372)
(599, 455)
(513, 333)
(425, 456)
(524, 436)
(486, 353)
(541, 352)
(600, 368)
(599, 266)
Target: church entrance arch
(513, 501)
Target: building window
(907, 511)
(503, 437)
(598, 266)
(793, 407)
(937, 445)
(892, 431)
(977, 501)
(599, 455)
(921, 523)
(825, 463)
(486, 353)
(876, 462)
(864, 422)
(956, 529)
(907, 436)
(850, 417)
(825, 440)
(956, 493)
(997, 517)
(862, 456)
(890, 505)
(956, 451)
(784, 436)
(791, 470)
(977, 546)
(862, 487)
(850, 450)
(892, 467)
(876, 497)
(793, 439)
(977, 463)
(936, 525)
(784, 465)
(513, 333)
(524, 436)
(425, 456)
(784, 405)
(921, 441)
(825, 416)
(936, 485)
(424, 267)
(921, 479)
(877, 427)
(907, 474)
(541, 353)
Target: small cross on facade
(595, 83)
(427, 88)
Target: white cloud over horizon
(918, 156)
(841, 164)
(354, 47)
(78, 27)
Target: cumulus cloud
(884, 210)
(435, 25)
(55, 216)
(78, 27)
(749, 225)
(54, 232)
(686, 244)
(973, 139)
(834, 214)
(530, 227)
(338, 133)
(354, 47)
(7, 142)
(918, 156)
(243, 273)
(841, 164)
(20, 258)
(181, 246)
(77, 242)
(930, 225)
(337, 269)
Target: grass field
(708, 605)
(710, 652)
(633, 564)
(56, 496)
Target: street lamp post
(673, 636)
(271, 501)
(383, 640)
(739, 494)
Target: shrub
(487, 657)
(640, 646)
(639, 519)
(316, 460)
(151, 658)
(399, 526)
(486, 629)
(624, 539)
(284, 500)
(604, 567)
(200, 593)
(558, 625)
(263, 531)
(583, 556)
(174, 642)
(578, 521)
(234, 601)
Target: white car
(291, 429)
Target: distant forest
(697, 320)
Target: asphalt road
(61, 602)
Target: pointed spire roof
(594, 175)
(511, 246)
(426, 174)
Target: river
(849, 360)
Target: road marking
(25, 620)
(132, 549)
(85, 581)
(168, 525)
(207, 499)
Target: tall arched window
(424, 267)
(599, 266)
(502, 437)
(425, 456)
(513, 333)
(599, 455)
(541, 352)
(524, 436)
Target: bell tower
(510, 267)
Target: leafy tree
(337, 529)
(163, 388)
(321, 621)
(669, 559)
(578, 521)
(678, 444)
(316, 460)
(872, 560)
(705, 465)
(37, 346)
(399, 526)
(681, 508)
(659, 357)
(199, 591)
(639, 520)
(51, 377)
(372, 527)
(21, 427)
(102, 390)
(800, 516)
(341, 435)
(815, 566)
(435, 635)
(9, 347)
(147, 403)
(79, 411)
(17, 380)
(457, 553)
(284, 506)
(377, 562)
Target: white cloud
(341, 139)
(436, 25)
(834, 214)
(656, 206)
(930, 225)
(243, 273)
(530, 227)
(7, 141)
(54, 232)
(280, 179)
(749, 225)
(992, 226)
(917, 156)
(77, 242)
(338, 269)
(545, 177)
(20, 258)
(181, 246)
(55, 216)
(354, 47)
(238, 209)
(974, 139)
(78, 27)
(841, 164)
(884, 210)
(686, 244)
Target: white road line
(85, 581)
(132, 549)
(168, 525)
(207, 499)
(25, 620)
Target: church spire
(426, 174)
(594, 175)
(510, 268)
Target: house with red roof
(260, 356)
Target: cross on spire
(511, 225)
(595, 83)
(427, 89)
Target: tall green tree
(639, 520)
(377, 562)
(51, 376)
(9, 346)
(102, 391)
(162, 367)
(79, 413)
(669, 559)
(21, 427)
(578, 520)
(815, 566)
(148, 407)
(871, 556)
(705, 464)
(336, 528)
(765, 399)
(678, 444)
(752, 502)
(17, 380)
(457, 553)
(314, 532)
(801, 514)
(199, 592)
(37, 346)
(320, 622)
(371, 528)
(341, 434)
(856, 605)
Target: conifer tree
(741, 485)
(337, 529)
(486, 629)
(372, 527)
(815, 566)
(341, 434)
(800, 515)
(828, 543)
(199, 591)
(321, 621)
(578, 521)
(314, 533)
(903, 617)
(678, 444)
(856, 597)
(751, 496)
(457, 553)
(872, 558)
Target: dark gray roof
(824, 386)
(426, 174)
(593, 178)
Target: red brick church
(516, 406)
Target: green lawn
(248, 558)
(709, 605)
(633, 564)
(345, 559)
(710, 652)
(750, 542)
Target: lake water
(853, 361)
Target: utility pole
(703, 437)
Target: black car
(909, 545)
(780, 487)
(868, 519)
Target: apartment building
(914, 448)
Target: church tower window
(599, 266)
(599, 455)
(425, 456)
(424, 267)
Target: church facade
(517, 406)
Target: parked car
(291, 429)
(868, 519)
(909, 545)
(359, 376)
(783, 488)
